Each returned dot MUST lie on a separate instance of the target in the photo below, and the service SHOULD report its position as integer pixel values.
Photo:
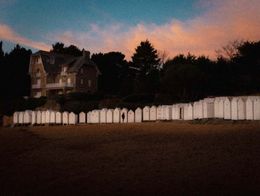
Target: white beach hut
(227, 108)
(257, 108)
(188, 112)
(52, 117)
(89, 117)
(43, 117)
(179, 111)
(221, 107)
(167, 112)
(198, 110)
(65, 118)
(159, 113)
(34, 118)
(208, 108)
(82, 118)
(58, 118)
(15, 118)
(234, 108)
(131, 116)
(123, 116)
(103, 115)
(95, 116)
(109, 116)
(27, 118)
(146, 113)
(153, 114)
(138, 115)
(20, 118)
(73, 118)
(48, 117)
(39, 118)
(250, 108)
(116, 115)
(241, 108)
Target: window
(82, 70)
(64, 69)
(89, 83)
(69, 81)
(38, 60)
(60, 81)
(81, 81)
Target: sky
(199, 27)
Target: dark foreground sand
(133, 159)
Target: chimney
(85, 54)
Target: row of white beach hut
(229, 108)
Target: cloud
(223, 21)
(6, 33)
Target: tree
(60, 48)
(114, 69)
(146, 57)
(15, 80)
(146, 60)
(1, 50)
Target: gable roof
(53, 62)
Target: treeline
(236, 71)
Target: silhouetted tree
(15, 80)
(70, 50)
(114, 69)
(147, 62)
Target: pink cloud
(6, 33)
(222, 22)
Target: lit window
(89, 83)
(60, 81)
(69, 80)
(64, 69)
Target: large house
(53, 74)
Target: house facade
(53, 74)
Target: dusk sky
(195, 26)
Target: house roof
(53, 62)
